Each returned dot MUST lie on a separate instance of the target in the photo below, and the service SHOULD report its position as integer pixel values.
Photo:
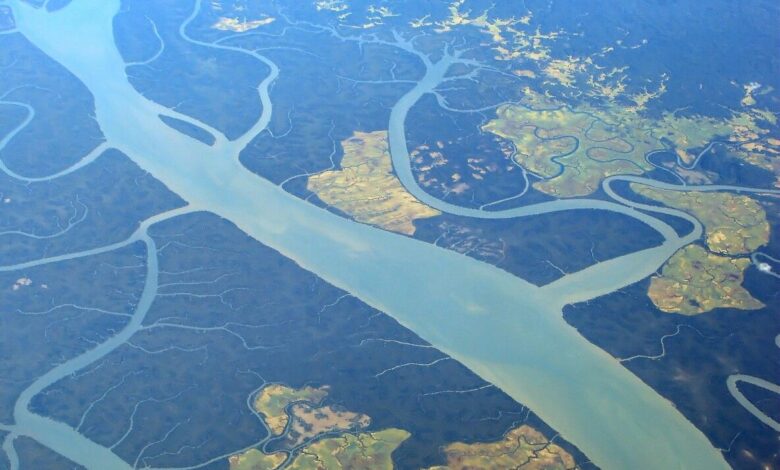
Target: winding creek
(506, 330)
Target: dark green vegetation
(322, 104)
(53, 312)
(232, 315)
(35, 455)
(571, 241)
(99, 204)
(687, 359)
(62, 129)
(216, 88)
(455, 161)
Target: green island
(280, 405)
(352, 448)
(253, 459)
(559, 146)
(522, 447)
(349, 451)
(695, 281)
(366, 188)
(733, 224)
(362, 451)
(574, 148)
(273, 400)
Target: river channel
(506, 330)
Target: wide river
(506, 330)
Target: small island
(733, 224)
(325, 437)
(695, 281)
(349, 451)
(309, 422)
(573, 148)
(522, 447)
(273, 400)
(366, 188)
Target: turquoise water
(506, 330)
